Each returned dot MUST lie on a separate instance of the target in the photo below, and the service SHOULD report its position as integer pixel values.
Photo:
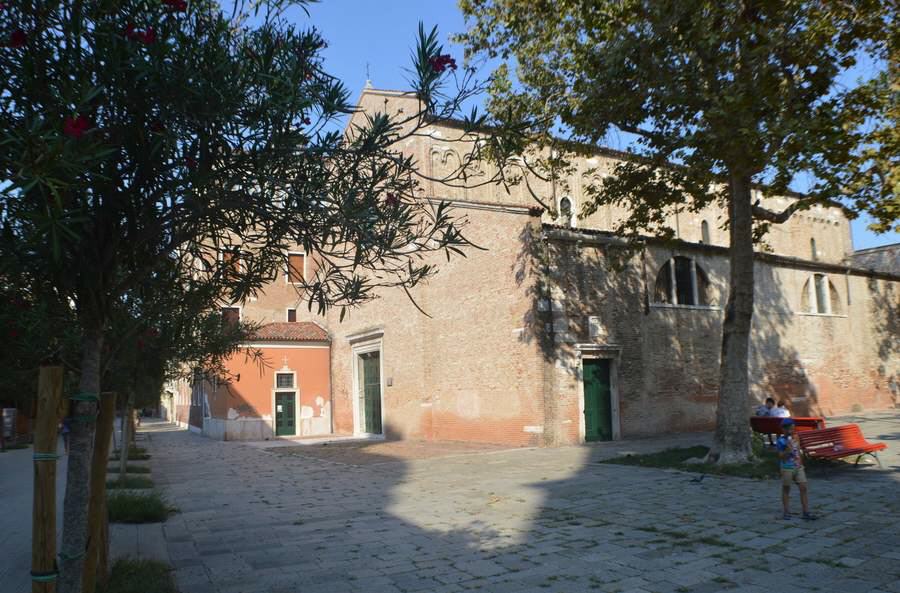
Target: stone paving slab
(138, 541)
(529, 520)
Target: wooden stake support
(43, 520)
(96, 559)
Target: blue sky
(382, 33)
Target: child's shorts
(793, 475)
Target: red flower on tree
(391, 200)
(146, 37)
(442, 62)
(176, 5)
(17, 38)
(75, 127)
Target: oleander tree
(721, 98)
(134, 131)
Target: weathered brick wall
(498, 360)
(882, 259)
(471, 370)
(667, 357)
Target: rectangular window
(284, 380)
(231, 261)
(231, 315)
(295, 267)
(292, 315)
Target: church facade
(560, 332)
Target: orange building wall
(242, 408)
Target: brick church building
(557, 335)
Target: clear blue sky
(382, 34)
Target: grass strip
(132, 575)
(762, 468)
(131, 469)
(128, 507)
(130, 482)
(134, 454)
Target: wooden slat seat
(839, 441)
(772, 424)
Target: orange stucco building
(279, 385)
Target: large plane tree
(720, 97)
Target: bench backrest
(846, 435)
(772, 424)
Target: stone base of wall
(258, 429)
(241, 429)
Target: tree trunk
(81, 451)
(127, 435)
(732, 438)
(96, 553)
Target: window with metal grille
(284, 380)
(292, 315)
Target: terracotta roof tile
(301, 331)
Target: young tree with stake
(133, 130)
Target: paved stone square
(257, 520)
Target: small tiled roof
(301, 331)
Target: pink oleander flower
(442, 62)
(75, 127)
(17, 38)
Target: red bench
(772, 424)
(837, 442)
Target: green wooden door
(597, 400)
(285, 413)
(371, 392)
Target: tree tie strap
(46, 456)
(44, 577)
(85, 396)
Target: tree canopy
(136, 133)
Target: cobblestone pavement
(526, 520)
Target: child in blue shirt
(791, 464)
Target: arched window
(681, 281)
(565, 211)
(814, 253)
(820, 296)
(704, 233)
